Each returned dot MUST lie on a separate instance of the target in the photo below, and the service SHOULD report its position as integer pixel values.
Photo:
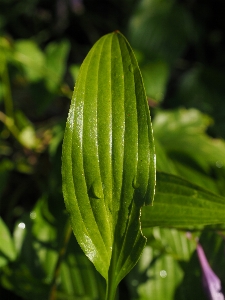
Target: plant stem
(9, 123)
(61, 253)
(112, 282)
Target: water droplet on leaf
(95, 190)
(134, 282)
(163, 273)
(22, 225)
(219, 164)
(135, 184)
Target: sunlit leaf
(181, 203)
(183, 132)
(195, 156)
(108, 158)
(7, 248)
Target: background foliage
(180, 48)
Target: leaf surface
(181, 203)
(7, 248)
(108, 163)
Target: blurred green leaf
(194, 154)
(155, 75)
(190, 171)
(31, 59)
(108, 158)
(181, 203)
(161, 29)
(56, 56)
(158, 272)
(26, 131)
(28, 138)
(163, 162)
(56, 140)
(202, 86)
(7, 248)
(78, 277)
(5, 53)
(38, 241)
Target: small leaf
(108, 163)
(7, 248)
(56, 55)
(32, 59)
(181, 203)
(155, 75)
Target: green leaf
(161, 29)
(7, 248)
(195, 155)
(155, 75)
(39, 245)
(163, 162)
(181, 203)
(56, 55)
(32, 59)
(155, 276)
(108, 163)
(183, 131)
(161, 270)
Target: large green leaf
(108, 163)
(181, 203)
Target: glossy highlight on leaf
(108, 161)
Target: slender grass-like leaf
(108, 163)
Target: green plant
(109, 166)
(39, 256)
